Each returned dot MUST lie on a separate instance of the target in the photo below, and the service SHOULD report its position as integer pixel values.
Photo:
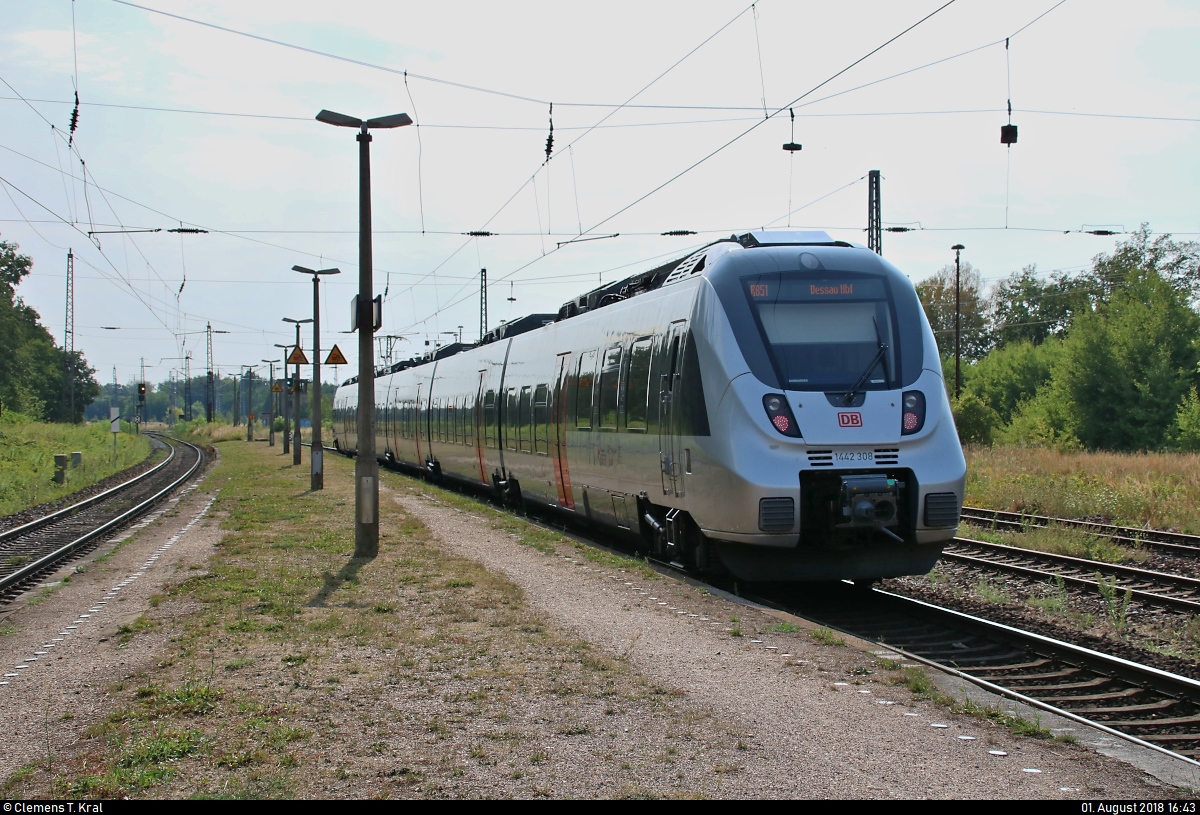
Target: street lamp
(958, 247)
(296, 392)
(284, 401)
(271, 403)
(366, 468)
(318, 474)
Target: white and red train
(774, 400)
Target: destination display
(796, 290)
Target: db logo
(850, 419)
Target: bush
(975, 420)
(1186, 434)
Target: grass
(283, 644)
(27, 451)
(1158, 490)
(1058, 540)
(923, 687)
(826, 636)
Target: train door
(417, 423)
(670, 440)
(478, 420)
(558, 434)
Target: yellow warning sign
(277, 388)
(297, 357)
(336, 357)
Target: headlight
(781, 415)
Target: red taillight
(912, 417)
(781, 415)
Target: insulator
(549, 144)
(792, 147)
(897, 229)
(676, 233)
(1104, 232)
(479, 233)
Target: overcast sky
(184, 123)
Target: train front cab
(835, 420)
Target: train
(771, 404)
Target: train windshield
(827, 331)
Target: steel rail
(1176, 543)
(1146, 673)
(1141, 595)
(38, 523)
(47, 560)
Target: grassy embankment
(27, 451)
(1153, 490)
(284, 649)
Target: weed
(992, 592)
(826, 636)
(1054, 599)
(125, 633)
(735, 631)
(1116, 610)
(784, 628)
(917, 681)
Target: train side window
(637, 387)
(541, 420)
(489, 420)
(510, 413)
(523, 417)
(610, 380)
(585, 379)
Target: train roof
(667, 274)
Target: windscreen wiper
(875, 360)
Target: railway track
(28, 552)
(1176, 592)
(1135, 702)
(1169, 543)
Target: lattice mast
(874, 214)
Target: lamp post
(283, 399)
(318, 474)
(958, 247)
(271, 403)
(366, 468)
(248, 375)
(296, 392)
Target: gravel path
(816, 725)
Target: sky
(667, 116)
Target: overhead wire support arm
(561, 244)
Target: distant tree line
(1106, 359)
(36, 374)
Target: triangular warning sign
(277, 388)
(297, 357)
(336, 357)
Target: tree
(1177, 262)
(1025, 308)
(1125, 368)
(937, 298)
(1011, 375)
(33, 370)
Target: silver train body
(774, 401)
